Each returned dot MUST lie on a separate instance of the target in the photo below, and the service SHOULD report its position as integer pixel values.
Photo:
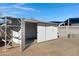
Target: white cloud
(5, 14)
(4, 7)
(26, 9)
(19, 10)
(19, 6)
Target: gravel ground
(58, 47)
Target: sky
(41, 11)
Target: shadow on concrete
(29, 42)
(2, 43)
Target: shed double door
(41, 33)
(46, 33)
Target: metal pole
(64, 23)
(18, 33)
(68, 22)
(45, 31)
(5, 34)
(21, 37)
(68, 29)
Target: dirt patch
(58, 47)
(12, 51)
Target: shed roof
(39, 22)
(30, 20)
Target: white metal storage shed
(40, 31)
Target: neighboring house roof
(71, 21)
(55, 23)
(1, 21)
(10, 18)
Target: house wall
(62, 31)
(77, 24)
(71, 30)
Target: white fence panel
(68, 31)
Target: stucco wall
(51, 33)
(76, 24)
(73, 31)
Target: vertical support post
(45, 31)
(19, 33)
(68, 22)
(21, 37)
(5, 34)
(64, 23)
(68, 29)
(22, 45)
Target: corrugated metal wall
(41, 36)
(46, 33)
